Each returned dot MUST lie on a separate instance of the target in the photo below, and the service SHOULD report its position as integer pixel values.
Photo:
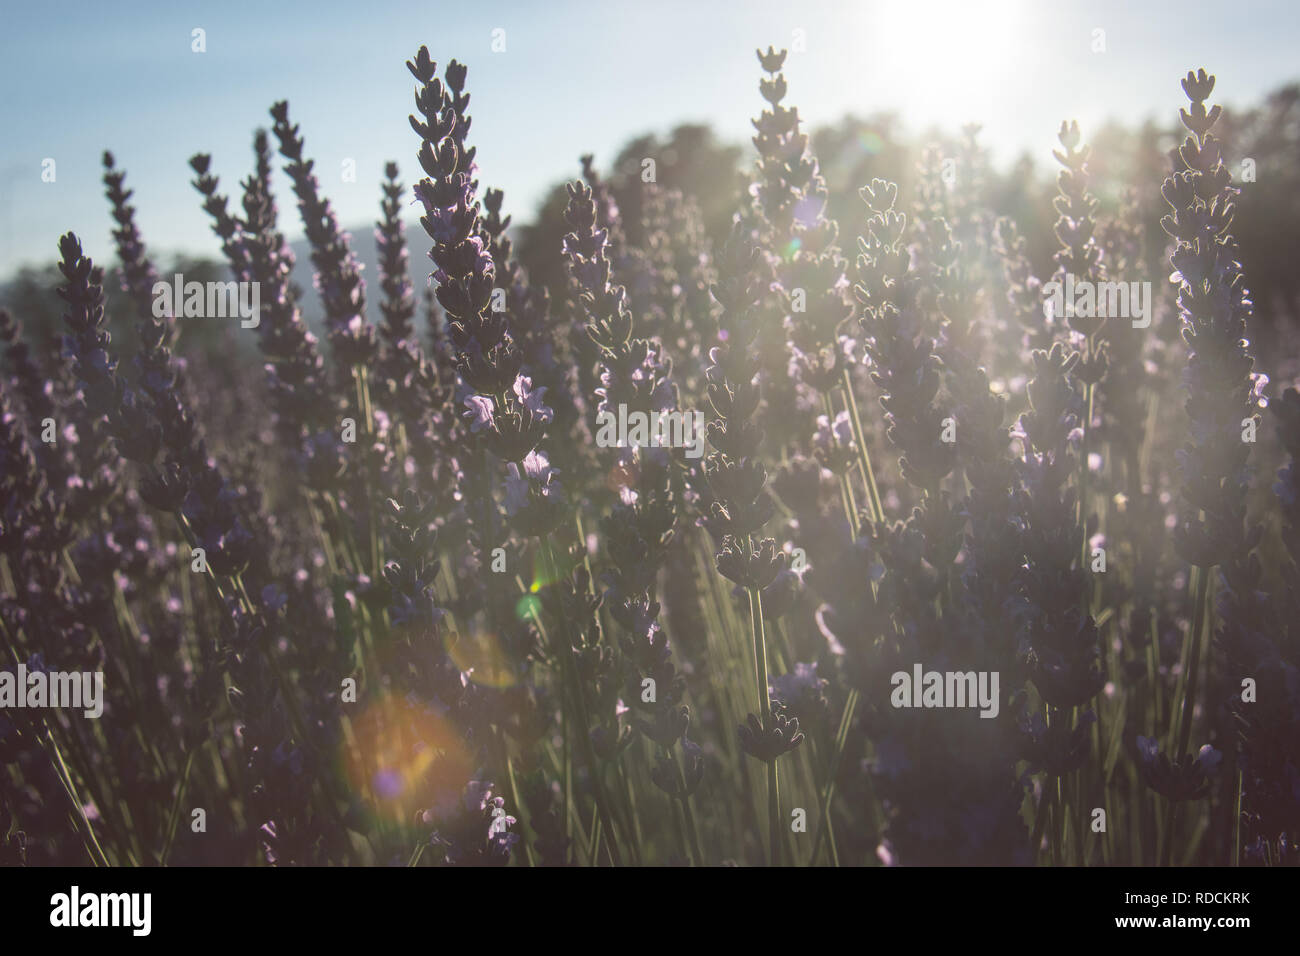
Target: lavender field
(840, 498)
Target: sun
(949, 61)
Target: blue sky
(574, 77)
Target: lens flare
(405, 758)
(528, 607)
(870, 142)
(545, 574)
(482, 657)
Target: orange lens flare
(405, 758)
(482, 656)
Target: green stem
(359, 373)
(1236, 823)
(514, 796)
(1056, 820)
(1168, 848)
(1040, 820)
(1199, 613)
(567, 758)
(1083, 489)
(765, 710)
(692, 830)
(70, 788)
(174, 815)
(568, 664)
(846, 488)
(828, 792)
(864, 456)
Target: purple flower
(480, 412)
(531, 399)
(789, 687)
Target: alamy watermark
(1087, 299)
(654, 430)
(209, 300)
(79, 690)
(132, 910)
(946, 689)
